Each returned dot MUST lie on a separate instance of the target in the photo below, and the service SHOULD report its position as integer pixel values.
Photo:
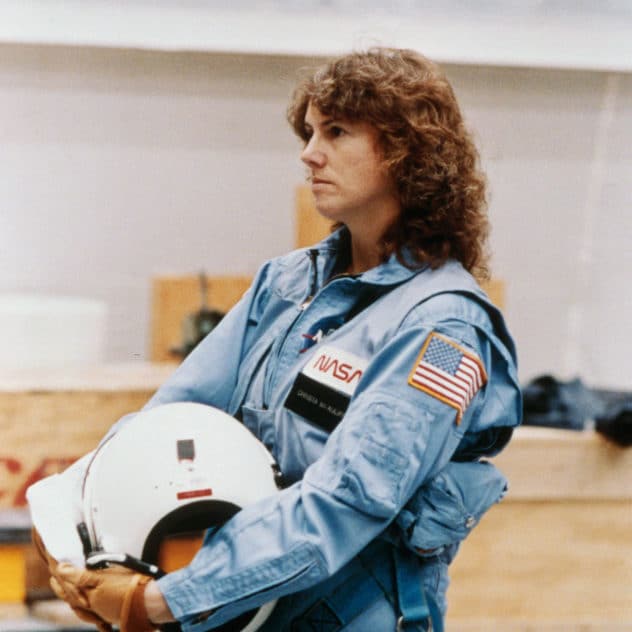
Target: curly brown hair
(427, 149)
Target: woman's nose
(312, 155)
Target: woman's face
(349, 180)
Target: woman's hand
(111, 596)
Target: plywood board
(311, 227)
(502, 625)
(176, 297)
(495, 289)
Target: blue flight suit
(321, 368)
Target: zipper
(313, 257)
(280, 342)
(239, 396)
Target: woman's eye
(336, 131)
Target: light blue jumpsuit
(299, 352)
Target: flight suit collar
(391, 272)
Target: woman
(372, 367)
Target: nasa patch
(323, 389)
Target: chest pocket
(277, 321)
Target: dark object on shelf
(198, 325)
(556, 404)
(616, 424)
(571, 405)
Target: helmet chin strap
(84, 536)
(96, 559)
(103, 560)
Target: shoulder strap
(449, 278)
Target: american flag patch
(448, 372)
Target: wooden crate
(49, 418)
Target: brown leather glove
(48, 559)
(114, 595)
(52, 563)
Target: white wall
(558, 150)
(118, 165)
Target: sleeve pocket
(445, 509)
(372, 479)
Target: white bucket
(51, 331)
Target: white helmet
(174, 470)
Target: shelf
(131, 376)
(544, 464)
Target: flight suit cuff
(214, 602)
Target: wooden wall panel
(548, 464)
(49, 418)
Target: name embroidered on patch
(448, 372)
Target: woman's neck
(366, 233)
(364, 255)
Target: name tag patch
(323, 389)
